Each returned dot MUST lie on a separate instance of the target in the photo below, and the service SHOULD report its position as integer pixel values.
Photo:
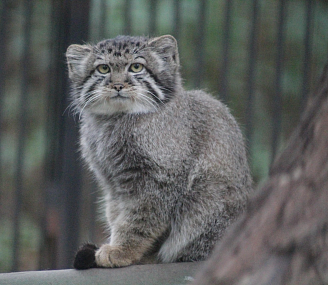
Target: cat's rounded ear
(167, 47)
(77, 57)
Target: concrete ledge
(154, 274)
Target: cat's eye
(136, 67)
(103, 68)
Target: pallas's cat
(171, 163)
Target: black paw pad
(85, 257)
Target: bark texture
(283, 236)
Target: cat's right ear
(166, 46)
(77, 59)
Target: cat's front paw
(85, 257)
(111, 256)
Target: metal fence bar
(22, 131)
(68, 234)
(251, 71)
(76, 25)
(103, 22)
(200, 44)
(277, 103)
(226, 51)
(3, 52)
(54, 141)
(177, 19)
(152, 17)
(308, 40)
(127, 17)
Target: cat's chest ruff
(112, 145)
(134, 143)
(109, 140)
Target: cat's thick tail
(85, 257)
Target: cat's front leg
(133, 252)
(134, 233)
(90, 256)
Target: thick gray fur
(172, 163)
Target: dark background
(262, 58)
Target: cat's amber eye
(136, 67)
(103, 68)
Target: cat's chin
(121, 105)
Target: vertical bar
(23, 108)
(251, 71)
(277, 104)
(308, 40)
(75, 24)
(177, 19)
(127, 17)
(200, 44)
(152, 17)
(226, 48)
(54, 143)
(3, 52)
(66, 236)
(103, 21)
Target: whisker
(69, 107)
(90, 100)
(159, 99)
(164, 89)
(144, 98)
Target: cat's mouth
(119, 96)
(127, 102)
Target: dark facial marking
(92, 88)
(153, 92)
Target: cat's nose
(118, 86)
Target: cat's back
(211, 116)
(218, 140)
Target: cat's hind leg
(196, 227)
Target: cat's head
(125, 74)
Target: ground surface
(159, 274)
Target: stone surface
(167, 274)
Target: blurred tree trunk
(283, 236)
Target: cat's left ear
(167, 47)
(77, 59)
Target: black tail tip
(85, 257)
